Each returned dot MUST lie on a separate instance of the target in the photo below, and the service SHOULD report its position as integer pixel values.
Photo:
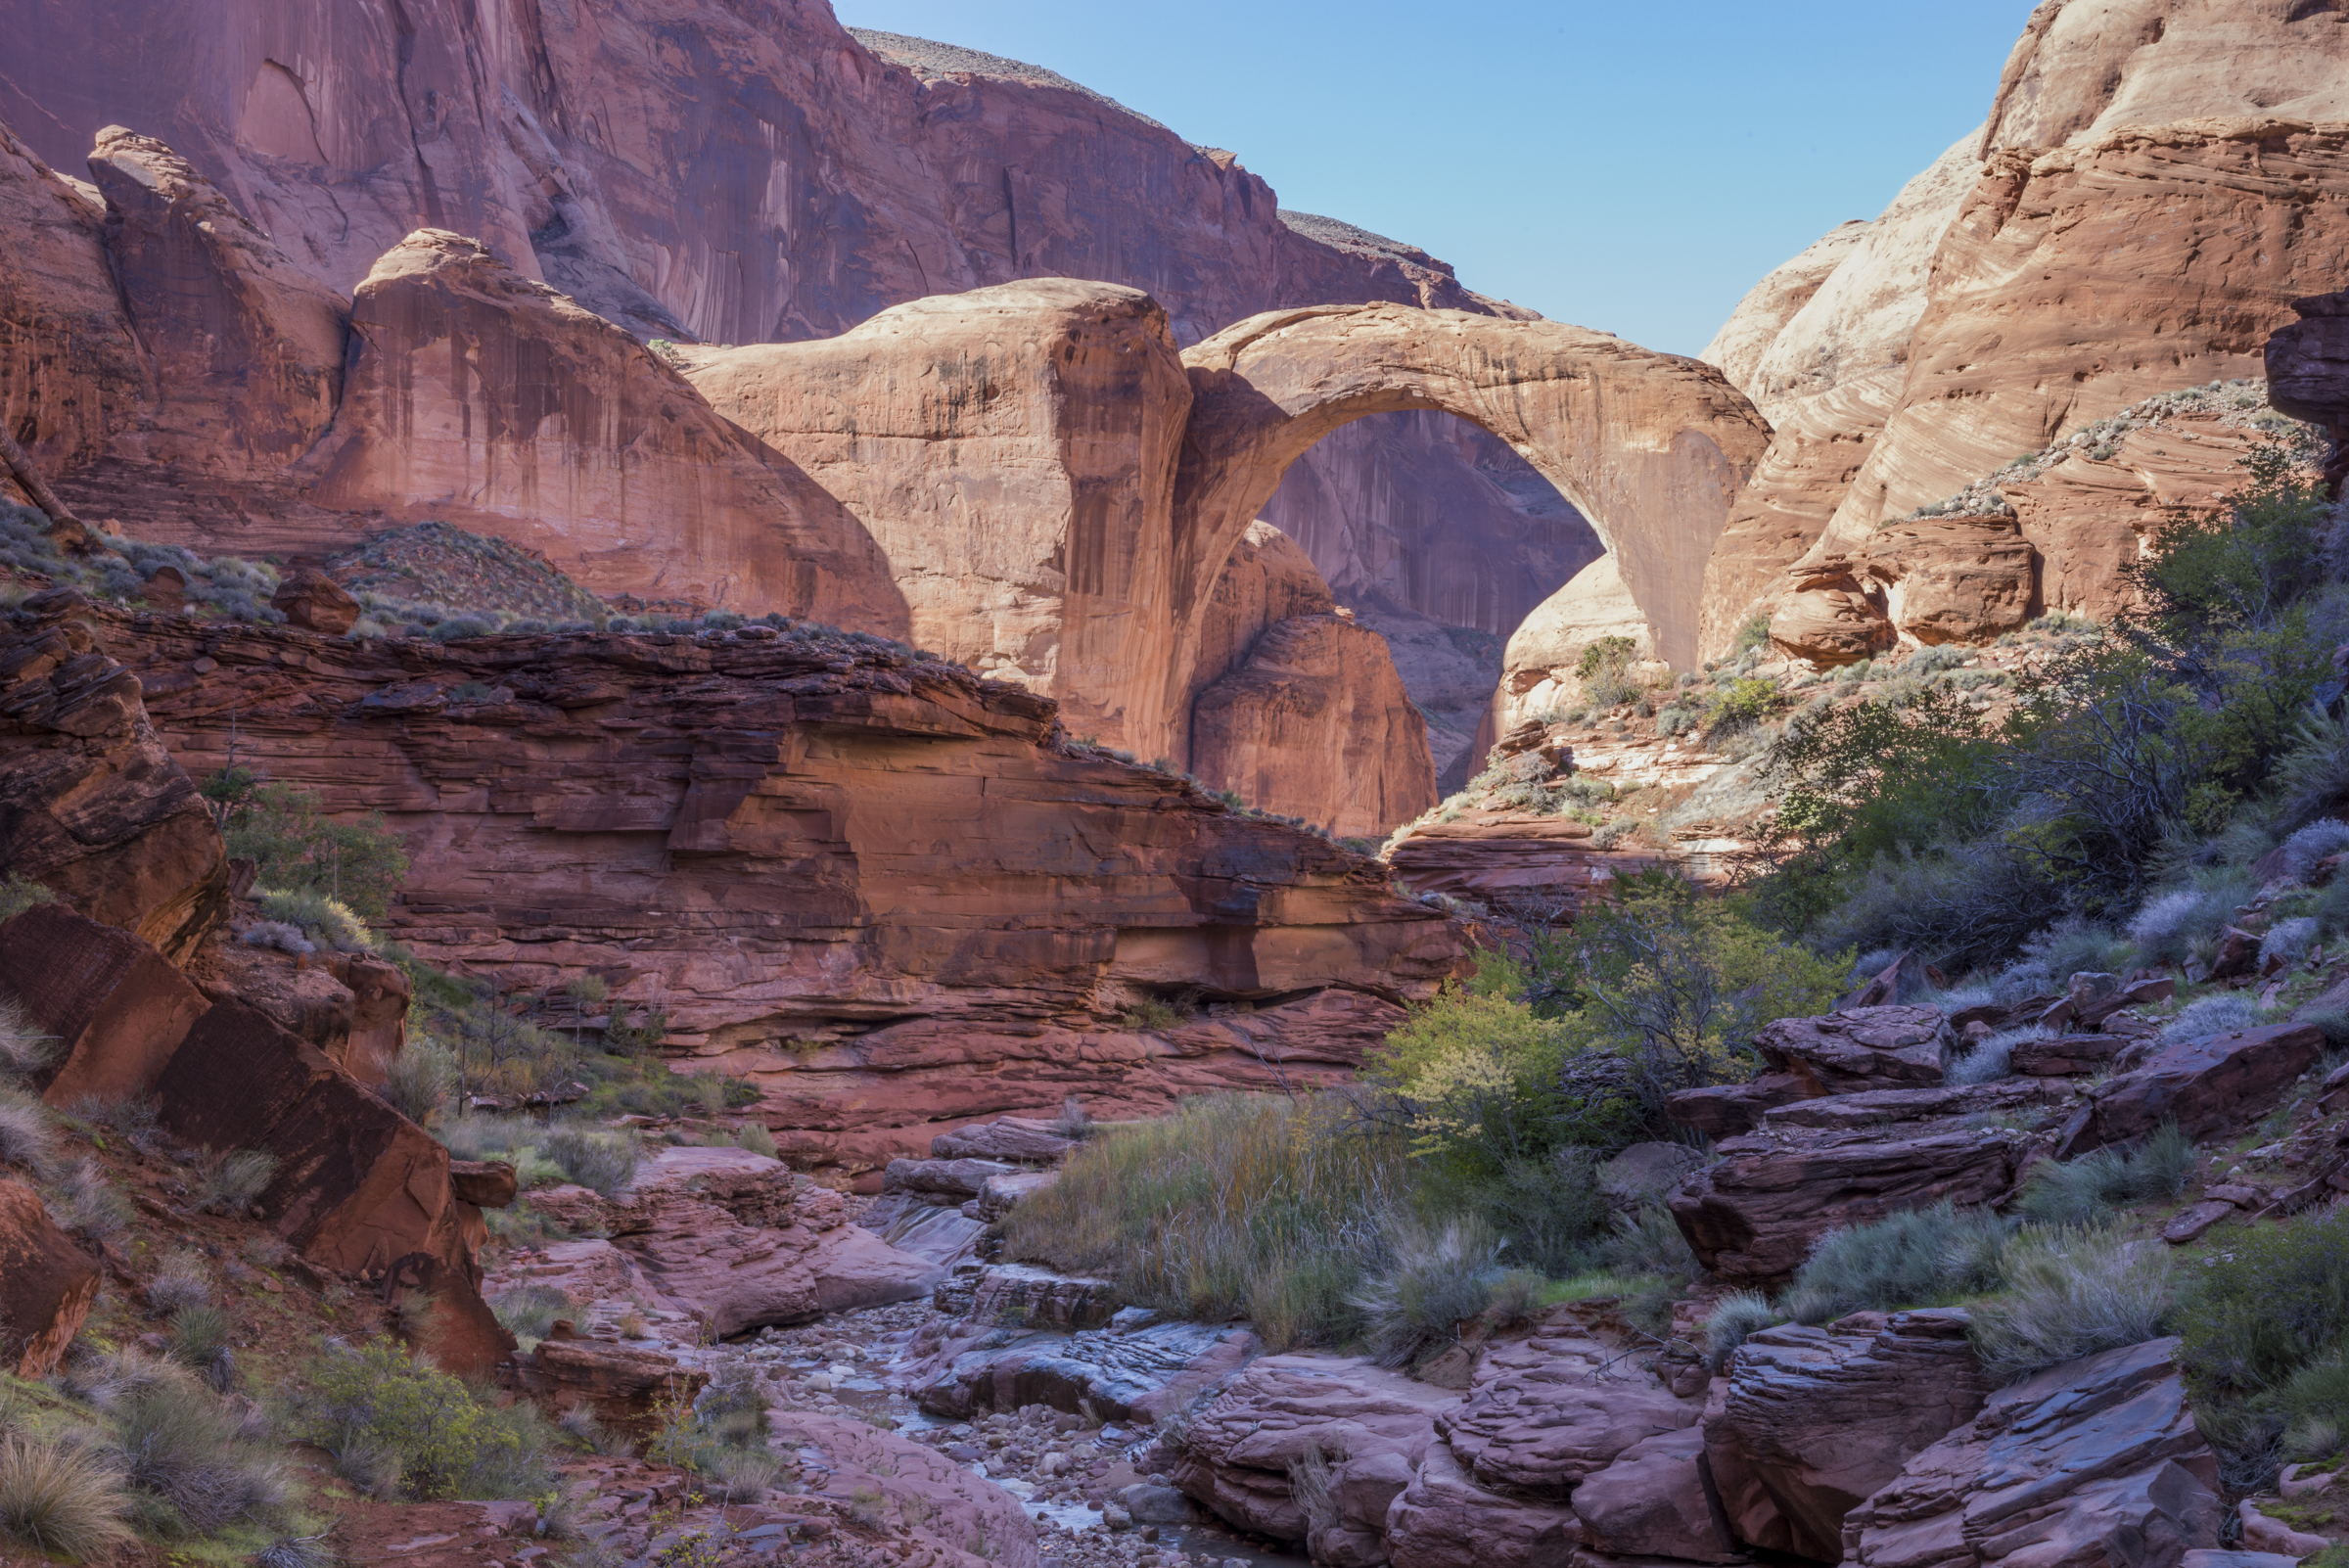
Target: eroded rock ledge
(886, 888)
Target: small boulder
(483, 1183)
(1444, 1519)
(621, 1385)
(165, 589)
(1646, 1171)
(941, 1180)
(2066, 1055)
(47, 1284)
(315, 602)
(1862, 1048)
(2207, 1086)
(1012, 1137)
(1653, 1502)
(1724, 1110)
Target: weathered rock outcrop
(1650, 448)
(115, 1008)
(1548, 1412)
(1864, 1049)
(1315, 723)
(95, 808)
(480, 396)
(245, 348)
(877, 883)
(1444, 1518)
(2096, 1462)
(1811, 1422)
(1755, 1213)
(1539, 666)
(47, 1284)
(735, 1239)
(1656, 1501)
(2207, 1086)
(2155, 185)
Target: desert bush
(1476, 1075)
(529, 1312)
(2276, 1302)
(18, 893)
(356, 865)
(182, 1449)
(2170, 925)
(1436, 1279)
(743, 1475)
(1733, 1317)
(229, 1181)
(2288, 940)
(323, 919)
(409, 1428)
(1546, 1211)
(83, 1201)
(1269, 1208)
(2334, 1020)
(1993, 1058)
(2070, 1292)
(201, 1339)
(1647, 1243)
(1920, 1258)
(1073, 1122)
(2074, 945)
(62, 1500)
(1604, 669)
(2313, 843)
(2089, 1189)
(420, 1079)
(2223, 1014)
(1739, 704)
(27, 1139)
(180, 1281)
(602, 1159)
(23, 1049)
(753, 1136)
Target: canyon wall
(887, 889)
(2157, 180)
(734, 173)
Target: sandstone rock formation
(114, 1006)
(1754, 1214)
(2207, 1086)
(912, 909)
(1860, 1049)
(1811, 1422)
(1038, 550)
(476, 393)
(875, 170)
(1547, 1412)
(95, 808)
(1652, 461)
(47, 1284)
(2142, 218)
(736, 1240)
(2058, 1466)
(1538, 668)
(244, 348)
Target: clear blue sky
(1628, 166)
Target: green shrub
(1477, 1075)
(1546, 1213)
(1753, 635)
(753, 1136)
(18, 893)
(1234, 1206)
(320, 917)
(1920, 1258)
(408, 1427)
(86, 1203)
(1741, 704)
(420, 1079)
(278, 828)
(2277, 1302)
(1647, 1243)
(62, 1500)
(1604, 669)
(2070, 1293)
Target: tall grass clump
(1439, 1279)
(1734, 1318)
(181, 1451)
(23, 1049)
(2223, 1014)
(2071, 1292)
(1993, 1057)
(1920, 1258)
(67, 1500)
(2094, 1186)
(2313, 842)
(1263, 1208)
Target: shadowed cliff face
(887, 888)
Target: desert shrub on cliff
(1921, 1258)
(296, 850)
(1733, 1319)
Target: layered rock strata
(881, 885)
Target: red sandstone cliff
(884, 887)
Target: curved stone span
(1650, 447)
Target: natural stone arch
(1651, 447)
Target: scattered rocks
(2207, 1086)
